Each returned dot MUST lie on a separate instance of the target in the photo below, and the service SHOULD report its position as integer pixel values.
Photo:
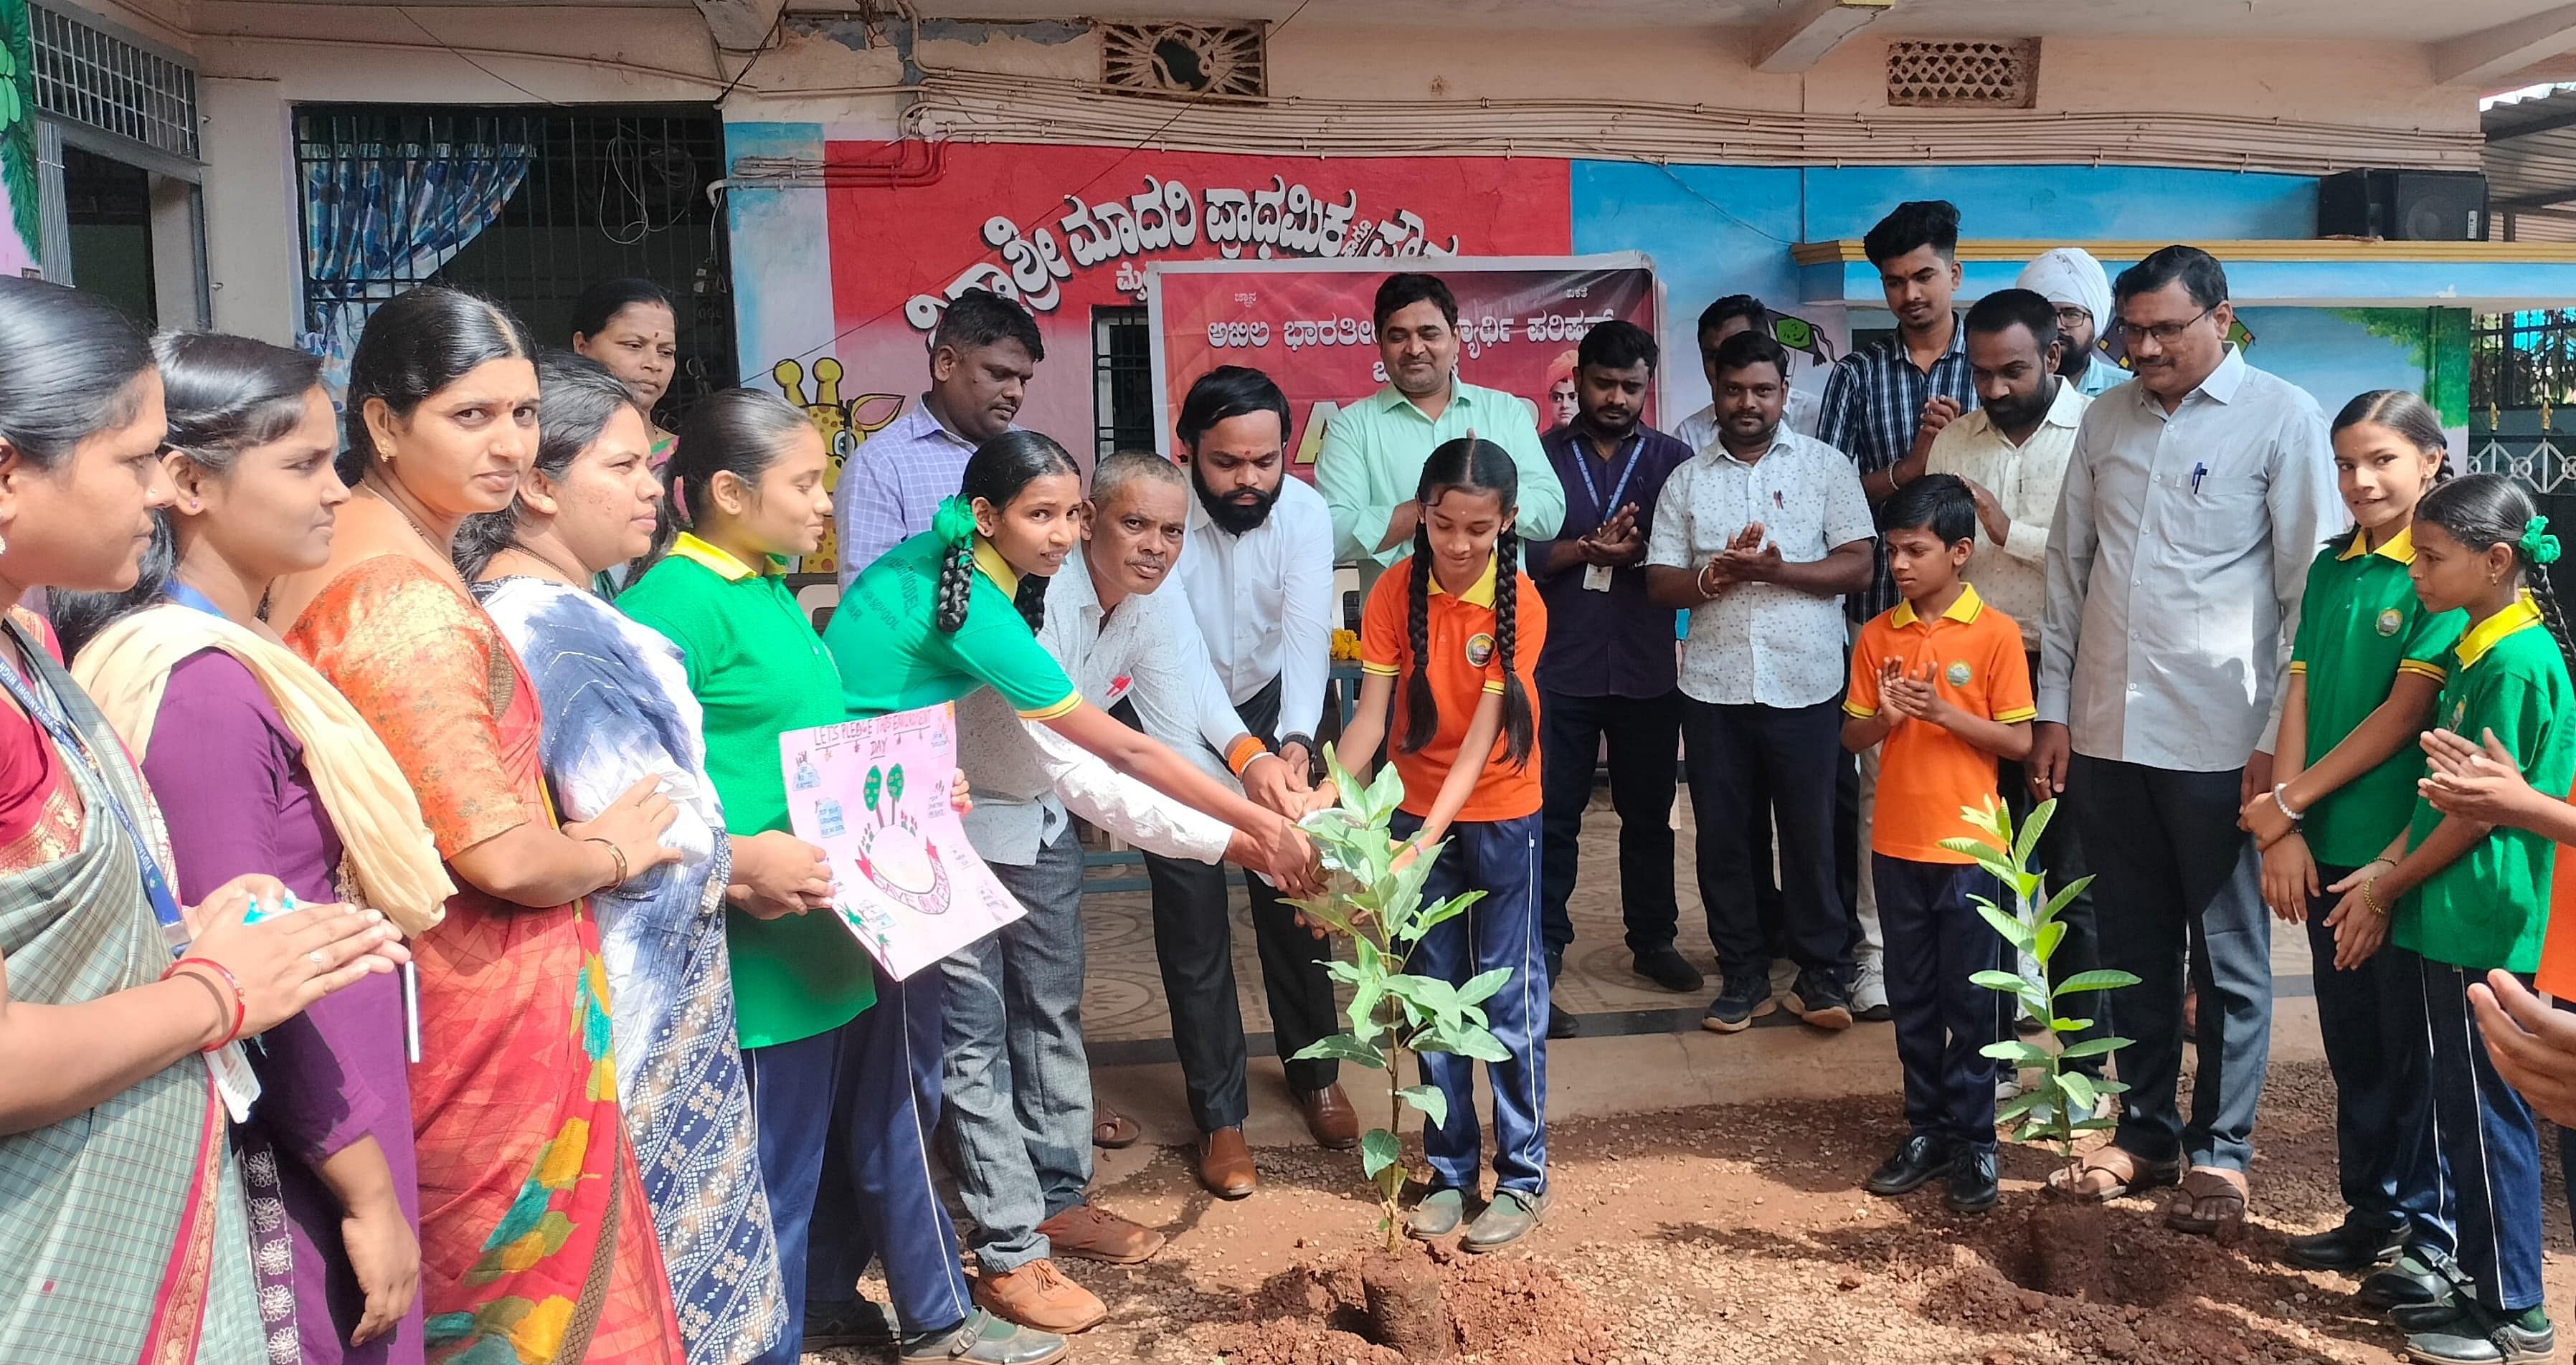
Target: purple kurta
(231, 781)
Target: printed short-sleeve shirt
(1465, 663)
(1926, 775)
(2361, 626)
(2489, 907)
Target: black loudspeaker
(2404, 206)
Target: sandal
(2204, 1189)
(2108, 1173)
(1113, 1131)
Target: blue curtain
(382, 216)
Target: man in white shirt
(1720, 320)
(1758, 537)
(1017, 1080)
(1258, 570)
(2011, 451)
(2194, 500)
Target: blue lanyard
(156, 888)
(187, 596)
(1583, 466)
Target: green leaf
(1378, 1150)
(2078, 1089)
(2017, 1052)
(1479, 1043)
(1342, 1047)
(1482, 985)
(2064, 895)
(2031, 997)
(2014, 931)
(2031, 826)
(1365, 998)
(2046, 940)
(2095, 981)
(1446, 910)
(2095, 1125)
(2091, 1047)
(2021, 1104)
(2062, 1025)
(1988, 857)
(1431, 1100)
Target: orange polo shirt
(2557, 975)
(1464, 666)
(1926, 774)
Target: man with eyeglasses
(2072, 280)
(2193, 500)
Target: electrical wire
(459, 54)
(777, 27)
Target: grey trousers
(1017, 1132)
(2172, 869)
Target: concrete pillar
(254, 228)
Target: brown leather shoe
(1038, 1295)
(1331, 1119)
(1094, 1233)
(1225, 1164)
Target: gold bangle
(615, 853)
(2369, 901)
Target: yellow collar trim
(2399, 547)
(721, 562)
(996, 568)
(1966, 609)
(2521, 614)
(1481, 594)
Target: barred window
(94, 77)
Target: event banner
(1309, 325)
(873, 794)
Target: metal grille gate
(610, 191)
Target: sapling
(1372, 894)
(2062, 1104)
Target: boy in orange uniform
(1942, 680)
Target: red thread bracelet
(241, 1001)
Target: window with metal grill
(89, 75)
(610, 192)
(1122, 350)
(1963, 75)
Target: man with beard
(2069, 278)
(2011, 452)
(2176, 563)
(1884, 403)
(1608, 666)
(982, 356)
(1758, 537)
(1017, 1080)
(1374, 449)
(1257, 567)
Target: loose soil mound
(1505, 1312)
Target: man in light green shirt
(1374, 449)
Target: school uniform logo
(2459, 714)
(2390, 620)
(1480, 649)
(1958, 673)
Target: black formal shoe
(2349, 1246)
(1974, 1187)
(856, 1322)
(1670, 971)
(2408, 1283)
(1921, 1160)
(1561, 1022)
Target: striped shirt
(892, 484)
(1873, 405)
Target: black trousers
(1934, 941)
(1645, 739)
(1194, 942)
(1740, 760)
(2177, 874)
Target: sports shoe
(2480, 1336)
(1670, 971)
(1038, 1295)
(1974, 1187)
(2348, 1246)
(1506, 1220)
(858, 1322)
(1818, 1000)
(1917, 1162)
(1739, 1002)
(983, 1339)
(2007, 1087)
(1869, 994)
(1438, 1215)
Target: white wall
(253, 230)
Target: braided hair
(2482, 510)
(1474, 466)
(996, 474)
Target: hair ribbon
(954, 523)
(2537, 542)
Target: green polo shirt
(1371, 464)
(894, 656)
(2490, 907)
(2360, 625)
(759, 671)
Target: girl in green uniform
(2367, 664)
(2468, 897)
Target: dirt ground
(1737, 1235)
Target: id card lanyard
(233, 1077)
(1596, 578)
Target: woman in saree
(630, 326)
(537, 1244)
(122, 1220)
(259, 766)
(618, 710)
